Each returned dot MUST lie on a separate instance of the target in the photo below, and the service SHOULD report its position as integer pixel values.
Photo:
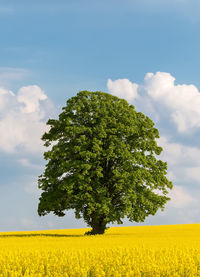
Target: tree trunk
(98, 227)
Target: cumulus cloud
(183, 161)
(177, 153)
(179, 197)
(123, 88)
(182, 101)
(171, 176)
(26, 163)
(179, 103)
(193, 173)
(32, 188)
(23, 119)
(30, 96)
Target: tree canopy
(102, 163)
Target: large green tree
(102, 163)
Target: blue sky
(144, 51)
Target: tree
(102, 163)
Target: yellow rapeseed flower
(171, 250)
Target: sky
(145, 51)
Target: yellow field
(171, 250)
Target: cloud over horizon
(23, 119)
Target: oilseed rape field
(167, 250)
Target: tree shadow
(39, 235)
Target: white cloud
(177, 153)
(179, 197)
(183, 160)
(123, 88)
(182, 101)
(30, 96)
(26, 163)
(171, 176)
(31, 187)
(178, 103)
(22, 119)
(193, 173)
(6, 97)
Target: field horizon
(88, 228)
